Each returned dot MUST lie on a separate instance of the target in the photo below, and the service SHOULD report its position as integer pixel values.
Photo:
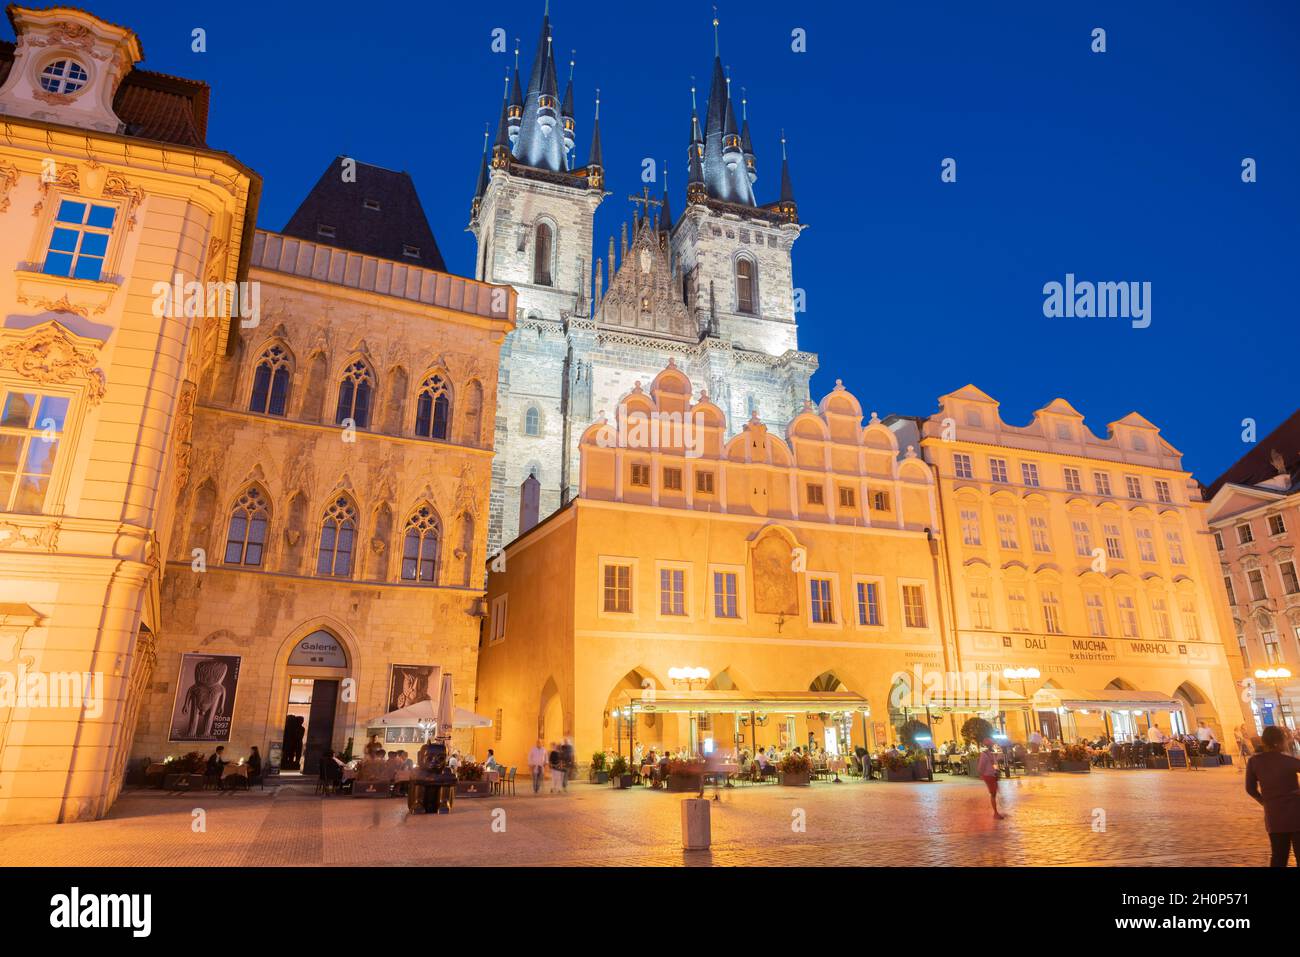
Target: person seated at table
(453, 762)
(254, 763)
(216, 764)
(490, 762)
(407, 763)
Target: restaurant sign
(1078, 649)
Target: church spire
(537, 144)
(787, 205)
(516, 108)
(746, 143)
(566, 109)
(595, 164)
(481, 186)
(724, 172)
(665, 214)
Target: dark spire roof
(503, 127)
(665, 214)
(594, 159)
(516, 94)
(566, 108)
(539, 61)
(378, 215)
(481, 187)
(787, 188)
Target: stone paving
(1161, 818)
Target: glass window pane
(54, 410)
(232, 552)
(102, 216)
(88, 267)
(64, 240)
(31, 493)
(40, 456)
(18, 410)
(71, 212)
(6, 486)
(10, 447)
(94, 244)
(253, 556)
(58, 264)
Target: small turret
(515, 111)
(787, 206)
(595, 165)
(746, 143)
(481, 187)
(566, 109)
(665, 214)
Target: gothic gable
(642, 295)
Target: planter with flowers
(920, 765)
(185, 773)
(1074, 759)
(469, 781)
(620, 772)
(598, 774)
(685, 775)
(796, 770)
(895, 766)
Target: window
(1064, 432)
(1232, 594)
(325, 231)
(640, 474)
(847, 498)
(914, 606)
(338, 530)
(1139, 442)
(981, 615)
(1257, 590)
(880, 501)
(420, 546)
(1102, 482)
(998, 470)
(354, 395)
(1007, 534)
(1191, 623)
(1073, 481)
(704, 483)
(1039, 534)
(1096, 615)
(1272, 651)
(618, 588)
(542, 254)
(1174, 542)
(433, 409)
(672, 591)
(961, 466)
(63, 77)
(79, 241)
(1133, 485)
(1082, 537)
(1146, 544)
(410, 252)
(1218, 541)
(1051, 612)
(1276, 525)
(974, 419)
(498, 632)
(724, 595)
(1244, 534)
(1029, 472)
(1290, 584)
(1244, 648)
(815, 493)
(1163, 493)
(1160, 614)
(246, 535)
(1128, 616)
(270, 382)
(868, 603)
(372, 204)
(970, 526)
(673, 479)
(1017, 608)
(823, 610)
(1114, 544)
(745, 285)
(31, 425)
(532, 421)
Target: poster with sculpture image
(205, 697)
(411, 684)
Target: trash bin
(696, 829)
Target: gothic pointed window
(338, 532)
(433, 409)
(355, 392)
(745, 285)
(246, 535)
(271, 382)
(542, 252)
(420, 546)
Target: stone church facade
(712, 289)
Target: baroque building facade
(711, 289)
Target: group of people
(216, 766)
(558, 759)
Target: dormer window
(410, 252)
(324, 231)
(371, 204)
(63, 77)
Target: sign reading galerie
(205, 697)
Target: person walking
(556, 761)
(537, 765)
(1271, 781)
(988, 772)
(1243, 747)
(569, 763)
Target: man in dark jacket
(215, 765)
(1271, 780)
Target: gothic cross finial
(516, 53)
(597, 102)
(692, 92)
(782, 143)
(644, 199)
(573, 57)
(715, 30)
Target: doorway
(309, 722)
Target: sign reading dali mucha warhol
(205, 697)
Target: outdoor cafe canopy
(424, 711)
(742, 702)
(1108, 700)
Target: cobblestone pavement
(1162, 818)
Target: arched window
(745, 285)
(354, 395)
(532, 421)
(420, 546)
(433, 409)
(338, 532)
(271, 382)
(247, 533)
(543, 247)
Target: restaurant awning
(1108, 700)
(742, 702)
(956, 701)
(412, 715)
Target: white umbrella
(446, 708)
(412, 715)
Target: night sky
(1121, 166)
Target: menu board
(1177, 758)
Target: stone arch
(615, 731)
(1197, 707)
(204, 515)
(551, 725)
(472, 414)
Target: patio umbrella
(446, 710)
(412, 715)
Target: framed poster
(205, 697)
(411, 684)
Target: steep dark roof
(1257, 466)
(386, 232)
(154, 106)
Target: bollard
(696, 829)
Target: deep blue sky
(1115, 166)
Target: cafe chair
(508, 781)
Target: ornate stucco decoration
(8, 180)
(50, 354)
(116, 185)
(43, 537)
(62, 177)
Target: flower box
(599, 777)
(920, 770)
(1075, 767)
(1160, 762)
(183, 782)
(623, 781)
(795, 779)
(473, 789)
(899, 774)
(685, 782)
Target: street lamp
(1274, 675)
(1022, 675)
(688, 676)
